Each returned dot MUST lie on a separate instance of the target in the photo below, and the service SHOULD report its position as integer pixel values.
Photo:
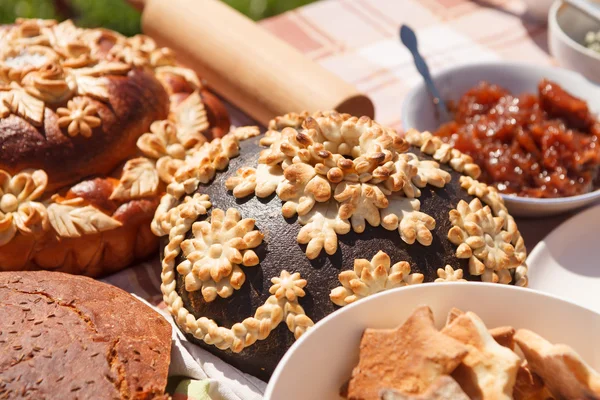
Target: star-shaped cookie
(489, 370)
(563, 371)
(529, 386)
(504, 335)
(408, 359)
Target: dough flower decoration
(281, 305)
(168, 214)
(162, 145)
(287, 285)
(69, 42)
(216, 250)
(201, 164)
(171, 141)
(481, 239)
(42, 62)
(138, 50)
(161, 141)
(172, 144)
(336, 173)
(427, 172)
(101, 40)
(491, 197)
(449, 274)
(370, 277)
(49, 84)
(18, 60)
(29, 32)
(80, 117)
(19, 212)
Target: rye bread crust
(65, 336)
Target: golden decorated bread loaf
(92, 127)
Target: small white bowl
(321, 361)
(418, 112)
(567, 27)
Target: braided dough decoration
(443, 152)
(282, 305)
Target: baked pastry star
(408, 359)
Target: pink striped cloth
(358, 40)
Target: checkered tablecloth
(358, 40)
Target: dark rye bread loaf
(67, 337)
(281, 250)
(318, 213)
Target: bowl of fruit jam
(533, 130)
(540, 145)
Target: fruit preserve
(544, 145)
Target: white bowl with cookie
(446, 340)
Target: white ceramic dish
(566, 262)
(319, 363)
(418, 112)
(567, 27)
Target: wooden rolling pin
(256, 71)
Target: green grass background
(118, 15)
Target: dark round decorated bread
(71, 337)
(319, 212)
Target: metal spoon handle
(424, 71)
(409, 39)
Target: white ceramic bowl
(567, 27)
(418, 112)
(565, 263)
(319, 363)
